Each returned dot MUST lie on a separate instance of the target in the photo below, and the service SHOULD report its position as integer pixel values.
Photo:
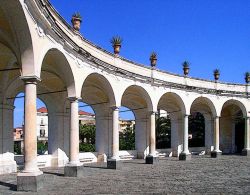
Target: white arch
(142, 91)
(207, 101)
(178, 99)
(63, 68)
(239, 103)
(107, 87)
(14, 12)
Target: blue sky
(209, 33)
(19, 110)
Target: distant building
(86, 118)
(124, 124)
(18, 133)
(42, 126)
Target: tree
(87, 138)
(163, 132)
(42, 147)
(127, 139)
(196, 124)
(87, 133)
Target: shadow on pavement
(51, 173)
(12, 187)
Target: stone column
(233, 150)
(152, 157)
(141, 134)
(176, 133)
(72, 169)
(115, 137)
(56, 139)
(152, 146)
(7, 162)
(216, 152)
(30, 178)
(208, 133)
(74, 133)
(185, 154)
(113, 162)
(102, 137)
(246, 150)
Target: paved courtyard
(230, 174)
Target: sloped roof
(85, 113)
(81, 112)
(42, 110)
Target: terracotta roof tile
(42, 110)
(81, 112)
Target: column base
(7, 163)
(101, 158)
(175, 153)
(30, 182)
(140, 155)
(184, 156)
(245, 152)
(152, 159)
(208, 150)
(114, 164)
(215, 154)
(73, 170)
(59, 159)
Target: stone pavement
(202, 175)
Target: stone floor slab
(229, 174)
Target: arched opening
(15, 50)
(98, 93)
(87, 128)
(137, 100)
(57, 83)
(196, 130)
(201, 126)
(171, 110)
(163, 130)
(232, 127)
(15, 34)
(126, 129)
(16, 53)
(41, 128)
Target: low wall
(90, 157)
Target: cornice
(71, 47)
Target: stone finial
(76, 21)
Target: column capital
(115, 108)
(30, 79)
(216, 117)
(153, 112)
(7, 107)
(73, 99)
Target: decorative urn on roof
(247, 77)
(153, 59)
(186, 68)
(216, 74)
(116, 42)
(76, 21)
